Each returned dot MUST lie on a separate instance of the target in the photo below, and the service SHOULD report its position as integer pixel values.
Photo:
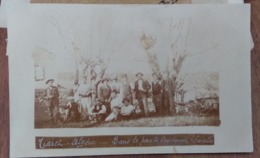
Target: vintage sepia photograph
(129, 79)
(133, 72)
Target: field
(42, 120)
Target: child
(73, 113)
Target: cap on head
(126, 100)
(124, 75)
(155, 74)
(105, 79)
(49, 80)
(139, 73)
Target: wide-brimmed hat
(139, 73)
(155, 74)
(124, 75)
(49, 80)
(126, 100)
(105, 79)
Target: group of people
(113, 99)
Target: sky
(117, 37)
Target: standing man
(157, 93)
(141, 89)
(168, 89)
(52, 96)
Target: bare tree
(178, 55)
(90, 66)
(148, 42)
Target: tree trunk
(172, 97)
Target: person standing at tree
(75, 91)
(84, 91)
(126, 89)
(141, 89)
(115, 85)
(104, 93)
(52, 96)
(157, 93)
(168, 87)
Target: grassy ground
(166, 121)
(42, 120)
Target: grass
(166, 121)
(42, 120)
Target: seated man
(73, 113)
(115, 106)
(98, 111)
(127, 110)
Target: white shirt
(116, 102)
(83, 89)
(127, 110)
(140, 85)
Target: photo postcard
(122, 79)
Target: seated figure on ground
(127, 110)
(98, 111)
(115, 105)
(73, 114)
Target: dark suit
(141, 95)
(168, 89)
(52, 96)
(157, 96)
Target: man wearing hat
(168, 88)
(141, 89)
(127, 110)
(72, 108)
(52, 96)
(157, 93)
